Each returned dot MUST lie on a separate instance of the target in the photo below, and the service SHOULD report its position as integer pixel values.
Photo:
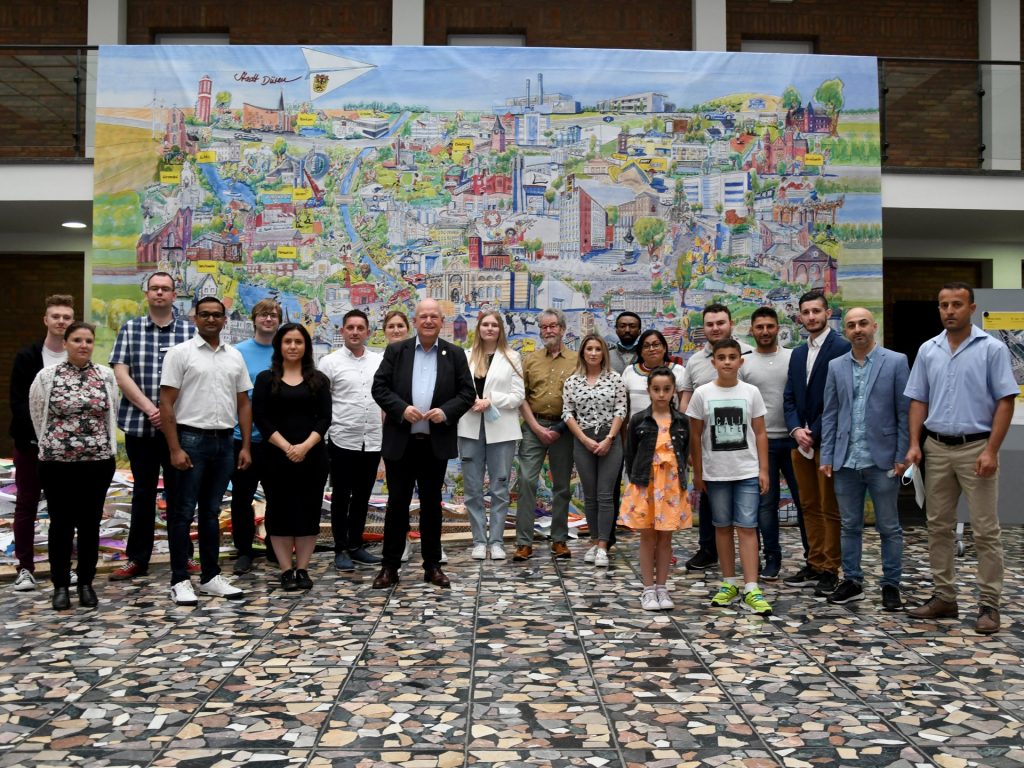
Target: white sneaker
(218, 586)
(183, 594)
(74, 578)
(589, 557)
(497, 552)
(664, 601)
(649, 600)
(479, 552)
(408, 551)
(601, 558)
(444, 557)
(25, 582)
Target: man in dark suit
(802, 404)
(423, 385)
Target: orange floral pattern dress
(660, 505)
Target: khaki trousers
(950, 473)
(821, 514)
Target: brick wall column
(999, 39)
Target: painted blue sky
(449, 78)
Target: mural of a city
(514, 179)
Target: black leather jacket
(641, 438)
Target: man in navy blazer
(802, 404)
(864, 441)
(423, 385)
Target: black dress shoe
(87, 596)
(386, 579)
(436, 577)
(289, 582)
(61, 599)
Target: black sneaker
(243, 564)
(364, 559)
(770, 571)
(827, 584)
(805, 577)
(846, 592)
(704, 559)
(891, 600)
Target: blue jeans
(850, 486)
(779, 460)
(734, 502)
(496, 459)
(202, 486)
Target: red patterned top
(77, 416)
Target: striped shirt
(141, 345)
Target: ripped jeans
(496, 458)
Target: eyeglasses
(550, 327)
(265, 315)
(161, 289)
(653, 345)
(210, 315)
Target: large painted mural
(594, 181)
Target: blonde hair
(477, 356)
(581, 363)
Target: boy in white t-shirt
(729, 446)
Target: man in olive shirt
(544, 373)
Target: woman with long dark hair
(291, 406)
(652, 349)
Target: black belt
(961, 439)
(548, 418)
(419, 436)
(213, 432)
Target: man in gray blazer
(864, 440)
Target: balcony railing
(936, 114)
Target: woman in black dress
(291, 405)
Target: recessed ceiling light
(74, 225)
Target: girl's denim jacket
(642, 436)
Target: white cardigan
(504, 387)
(39, 402)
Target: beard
(552, 344)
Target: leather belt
(961, 439)
(214, 432)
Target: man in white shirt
(204, 392)
(354, 440)
(699, 371)
(767, 369)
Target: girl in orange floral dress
(657, 440)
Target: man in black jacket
(29, 361)
(423, 385)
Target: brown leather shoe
(436, 577)
(523, 552)
(560, 550)
(386, 579)
(988, 621)
(935, 608)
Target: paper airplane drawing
(328, 72)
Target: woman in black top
(291, 406)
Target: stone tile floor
(538, 664)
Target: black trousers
(243, 491)
(353, 474)
(418, 467)
(146, 456)
(75, 493)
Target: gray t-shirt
(700, 371)
(768, 373)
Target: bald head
(427, 321)
(860, 328)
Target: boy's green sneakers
(725, 595)
(756, 603)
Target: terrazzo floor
(538, 664)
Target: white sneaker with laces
(589, 557)
(74, 578)
(601, 558)
(497, 552)
(25, 582)
(664, 601)
(183, 594)
(218, 586)
(479, 552)
(444, 557)
(649, 600)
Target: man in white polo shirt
(204, 392)
(354, 443)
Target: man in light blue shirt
(962, 390)
(863, 445)
(424, 377)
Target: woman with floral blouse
(594, 407)
(74, 407)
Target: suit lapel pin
(444, 352)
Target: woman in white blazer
(488, 432)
